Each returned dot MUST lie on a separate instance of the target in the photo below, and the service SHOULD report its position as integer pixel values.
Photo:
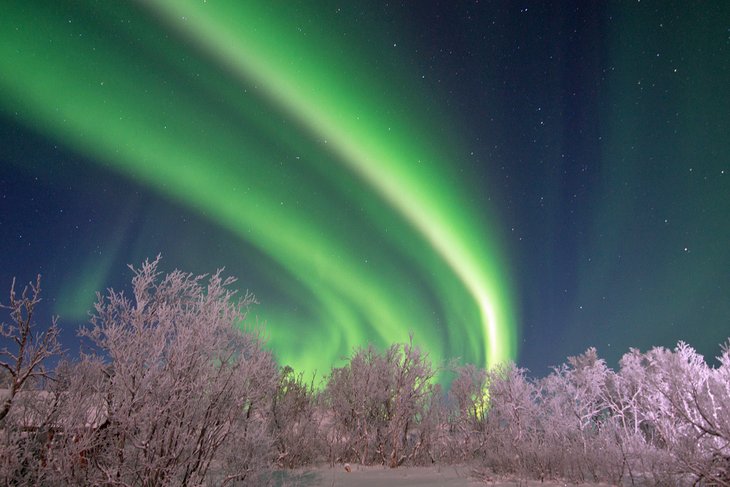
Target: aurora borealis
(486, 176)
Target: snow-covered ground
(445, 476)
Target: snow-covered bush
(378, 405)
(171, 390)
(296, 421)
(176, 393)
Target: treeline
(168, 390)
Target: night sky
(507, 180)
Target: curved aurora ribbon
(247, 60)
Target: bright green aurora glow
(292, 137)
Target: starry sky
(506, 180)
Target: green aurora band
(278, 135)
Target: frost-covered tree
(296, 421)
(514, 430)
(377, 406)
(175, 393)
(577, 401)
(690, 411)
(26, 412)
(468, 400)
(170, 390)
(25, 350)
